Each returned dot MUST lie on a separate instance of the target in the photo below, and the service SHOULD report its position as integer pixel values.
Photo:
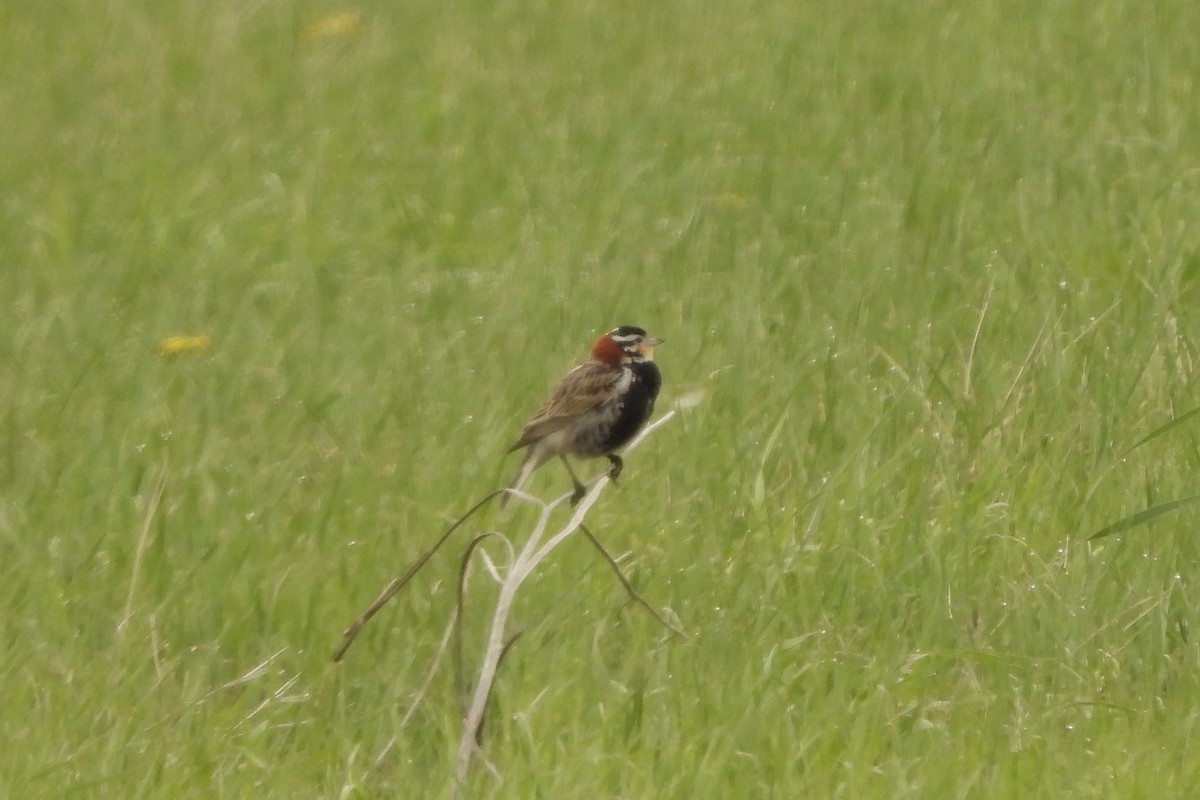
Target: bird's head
(625, 344)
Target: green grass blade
(1142, 517)
(1165, 427)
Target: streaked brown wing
(580, 390)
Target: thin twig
(459, 679)
(496, 639)
(633, 595)
(531, 554)
(483, 719)
(397, 584)
(497, 646)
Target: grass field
(933, 266)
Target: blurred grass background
(932, 265)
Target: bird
(596, 409)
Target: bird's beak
(646, 348)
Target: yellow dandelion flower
(338, 25)
(174, 345)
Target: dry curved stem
(453, 634)
(397, 584)
(483, 719)
(633, 595)
(530, 555)
(140, 550)
(460, 600)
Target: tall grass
(932, 266)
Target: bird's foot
(614, 471)
(577, 495)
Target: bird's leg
(580, 489)
(614, 471)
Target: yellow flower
(339, 24)
(174, 345)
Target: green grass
(935, 267)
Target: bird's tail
(528, 465)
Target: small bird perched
(596, 408)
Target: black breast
(638, 404)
